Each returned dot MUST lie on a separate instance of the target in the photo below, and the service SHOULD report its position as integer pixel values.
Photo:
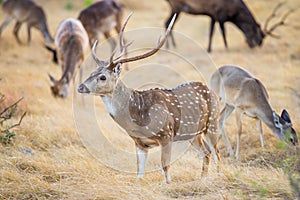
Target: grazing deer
(156, 117)
(101, 18)
(71, 41)
(221, 11)
(25, 11)
(240, 90)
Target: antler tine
(159, 44)
(274, 13)
(280, 23)
(121, 41)
(97, 60)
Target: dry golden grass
(60, 167)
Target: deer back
(186, 110)
(101, 17)
(24, 10)
(71, 42)
(27, 11)
(237, 86)
(245, 21)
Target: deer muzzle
(83, 89)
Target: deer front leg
(223, 30)
(166, 159)
(16, 31)
(258, 124)
(141, 161)
(28, 34)
(211, 33)
(239, 115)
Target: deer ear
(117, 69)
(52, 79)
(276, 120)
(285, 115)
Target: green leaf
(88, 3)
(69, 5)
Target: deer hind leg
(93, 36)
(5, 23)
(16, 31)
(239, 115)
(211, 143)
(166, 149)
(28, 33)
(225, 113)
(111, 41)
(142, 155)
(258, 124)
(201, 145)
(211, 33)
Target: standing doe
(71, 41)
(221, 11)
(240, 90)
(156, 117)
(25, 11)
(100, 18)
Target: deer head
(104, 79)
(252, 30)
(285, 130)
(245, 21)
(60, 87)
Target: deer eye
(101, 77)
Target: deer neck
(72, 60)
(117, 103)
(45, 32)
(266, 116)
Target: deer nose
(83, 89)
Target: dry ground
(60, 167)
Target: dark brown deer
(101, 18)
(71, 41)
(221, 11)
(25, 11)
(156, 117)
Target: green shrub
(6, 114)
(69, 5)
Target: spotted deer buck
(71, 41)
(240, 90)
(25, 11)
(234, 11)
(156, 117)
(100, 18)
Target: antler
(97, 60)
(122, 44)
(159, 44)
(276, 25)
(114, 61)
